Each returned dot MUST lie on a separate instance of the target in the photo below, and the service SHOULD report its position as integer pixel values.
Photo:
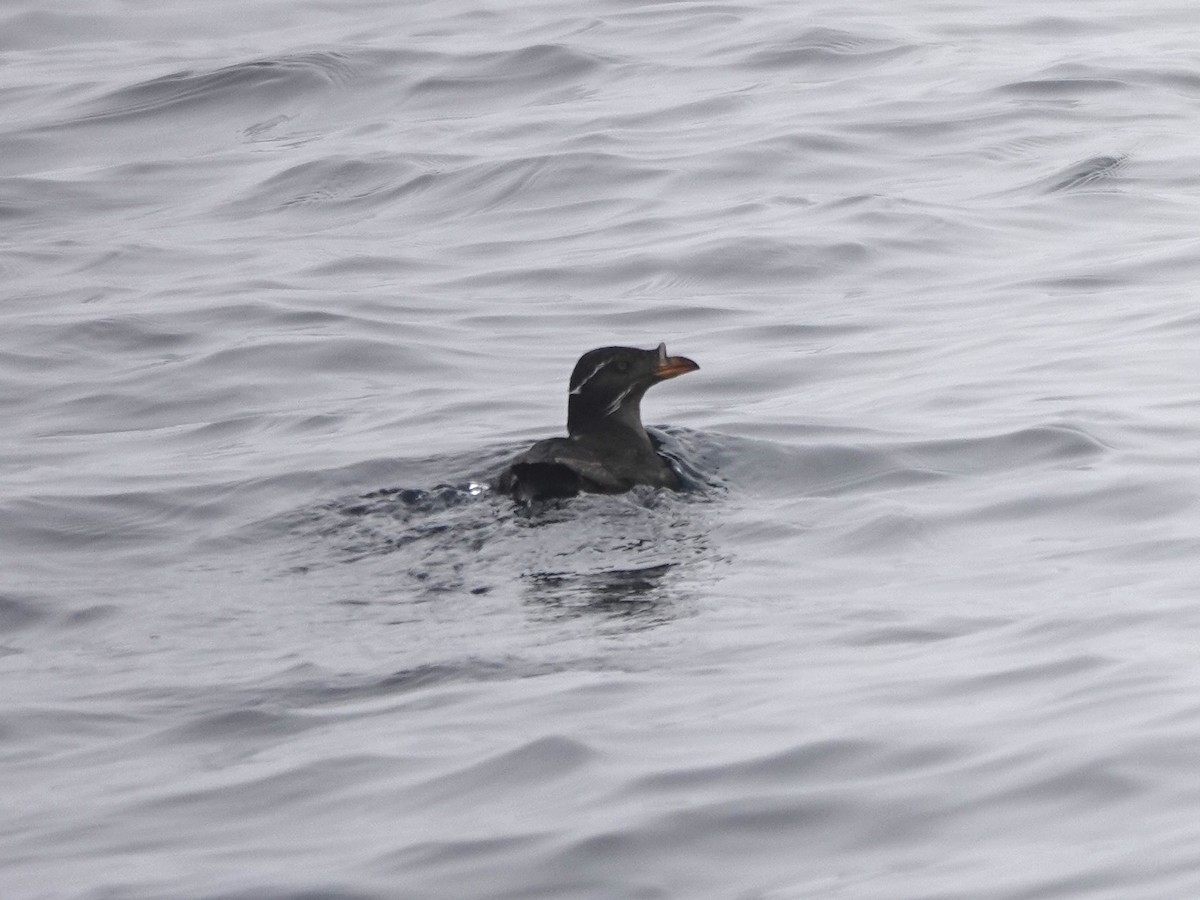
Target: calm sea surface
(283, 284)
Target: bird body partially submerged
(607, 449)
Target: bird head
(608, 384)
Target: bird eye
(622, 366)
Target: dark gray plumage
(607, 449)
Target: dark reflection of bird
(607, 449)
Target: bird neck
(584, 418)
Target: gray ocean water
(284, 283)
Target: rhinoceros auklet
(607, 450)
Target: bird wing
(583, 462)
(557, 467)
